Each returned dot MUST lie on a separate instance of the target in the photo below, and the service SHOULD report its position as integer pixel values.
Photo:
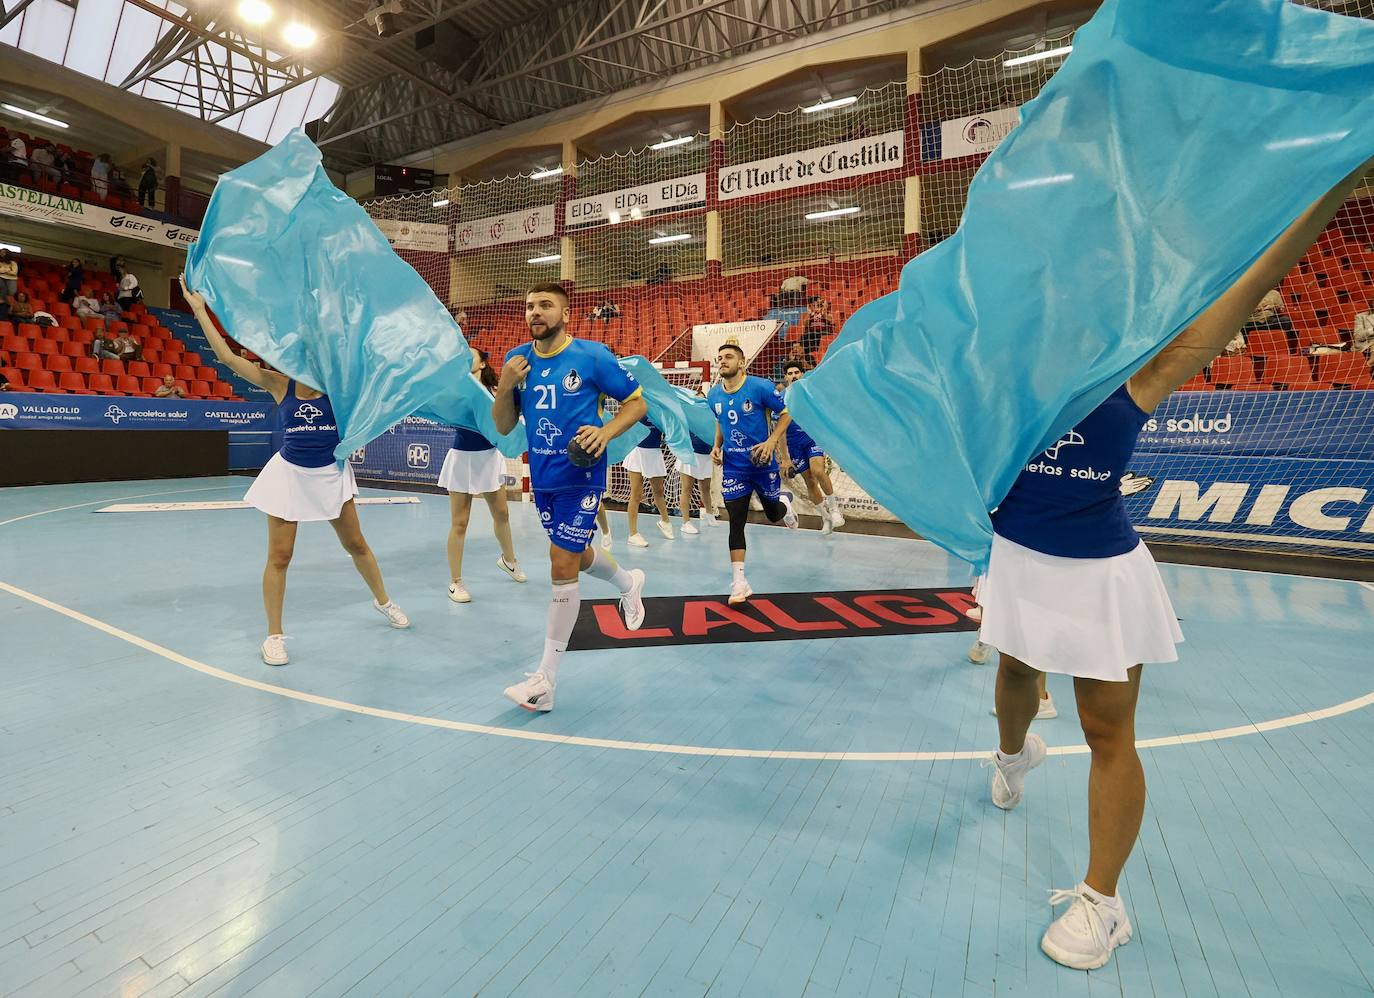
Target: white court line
(82, 505)
(1220, 734)
(1368, 585)
(177, 507)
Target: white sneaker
(606, 540)
(394, 615)
(1009, 779)
(827, 525)
(789, 519)
(740, 592)
(274, 650)
(709, 519)
(974, 613)
(1044, 712)
(514, 571)
(1084, 936)
(535, 693)
(688, 527)
(636, 541)
(666, 529)
(459, 593)
(980, 653)
(632, 603)
(836, 517)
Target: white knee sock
(604, 567)
(737, 567)
(562, 616)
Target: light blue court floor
(375, 819)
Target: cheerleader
(646, 462)
(301, 482)
(473, 467)
(1070, 589)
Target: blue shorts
(804, 453)
(569, 518)
(735, 484)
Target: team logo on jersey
(572, 381)
(590, 501)
(1072, 439)
(114, 414)
(748, 406)
(547, 431)
(737, 439)
(545, 515)
(717, 408)
(308, 413)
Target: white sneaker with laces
(514, 571)
(740, 592)
(688, 527)
(606, 540)
(980, 653)
(836, 517)
(632, 603)
(789, 519)
(1044, 712)
(274, 650)
(394, 615)
(636, 541)
(459, 592)
(534, 694)
(665, 528)
(1009, 779)
(1084, 936)
(827, 524)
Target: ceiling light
(669, 143)
(24, 112)
(300, 36)
(551, 258)
(11, 247)
(816, 216)
(1021, 60)
(830, 105)
(440, 204)
(255, 11)
(659, 240)
(542, 174)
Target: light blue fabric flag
(299, 273)
(1177, 142)
(673, 409)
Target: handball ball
(579, 456)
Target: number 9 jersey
(562, 393)
(743, 419)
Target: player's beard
(546, 332)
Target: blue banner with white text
(39, 411)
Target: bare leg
(636, 497)
(281, 543)
(460, 512)
(659, 488)
(813, 490)
(1018, 687)
(1116, 780)
(822, 477)
(350, 533)
(500, 523)
(686, 483)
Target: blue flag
(679, 413)
(1177, 142)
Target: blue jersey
(798, 440)
(309, 430)
(743, 420)
(469, 440)
(561, 394)
(700, 447)
(654, 438)
(1067, 501)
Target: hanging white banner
(751, 336)
(428, 237)
(512, 227)
(38, 206)
(637, 202)
(978, 133)
(813, 166)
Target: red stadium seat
(172, 357)
(204, 373)
(15, 377)
(1289, 371)
(55, 333)
(93, 323)
(200, 389)
(28, 361)
(151, 385)
(128, 384)
(42, 381)
(44, 346)
(184, 386)
(1345, 369)
(152, 356)
(161, 370)
(102, 384)
(139, 369)
(74, 383)
(192, 358)
(57, 363)
(6, 329)
(184, 372)
(83, 336)
(221, 390)
(1233, 371)
(15, 344)
(74, 350)
(86, 365)
(114, 368)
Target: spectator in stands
(117, 266)
(21, 309)
(818, 326)
(76, 276)
(100, 175)
(605, 312)
(18, 161)
(128, 348)
(66, 163)
(86, 307)
(119, 185)
(104, 348)
(461, 317)
(43, 163)
(169, 388)
(1362, 335)
(9, 275)
(792, 292)
(1269, 314)
(147, 183)
(129, 291)
(109, 308)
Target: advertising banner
(37, 411)
(37, 206)
(637, 202)
(813, 166)
(500, 230)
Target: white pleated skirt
(1092, 618)
(472, 472)
(290, 492)
(648, 461)
(701, 467)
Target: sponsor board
(813, 166)
(22, 202)
(751, 336)
(500, 230)
(978, 133)
(637, 202)
(34, 411)
(425, 237)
